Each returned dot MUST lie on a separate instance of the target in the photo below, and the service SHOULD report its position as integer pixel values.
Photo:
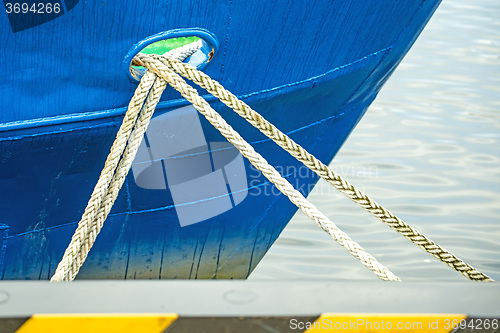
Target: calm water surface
(428, 149)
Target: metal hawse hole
(165, 42)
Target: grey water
(428, 149)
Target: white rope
(185, 51)
(309, 160)
(267, 170)
(126, 144)
(135, 123)
(113, 175)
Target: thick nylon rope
(75, 254)
(115, 169)
(184, 51)
(110, 182)
(272, 175)
(78, 251)
(161, 64)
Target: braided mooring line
(74, 255)
(87, 240)
(116, 168)
(270, 172)
(185, 51)
(161, 64)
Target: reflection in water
(431, 143)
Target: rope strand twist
(166, 69)
(310, 161)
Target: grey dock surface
(243, 306)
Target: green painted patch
(164, 46)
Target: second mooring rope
(116, 168)
(162, 70)
(271, 174)
(309, 160)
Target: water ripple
(429, 150)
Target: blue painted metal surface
(311, 67)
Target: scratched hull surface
(311, 68)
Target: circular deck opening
(169, 41)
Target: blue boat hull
(311, 68)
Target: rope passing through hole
(162, 70)
(310, 161)
(117, 165)
(125, 146)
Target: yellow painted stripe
(97, 323)
(378, 323)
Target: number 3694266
(36, 8)
(473, 324)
